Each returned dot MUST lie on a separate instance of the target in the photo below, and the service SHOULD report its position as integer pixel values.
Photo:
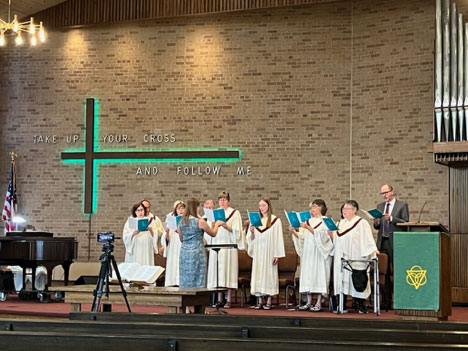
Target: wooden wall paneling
(458, 209)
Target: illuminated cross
(90, 156)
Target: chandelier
(15, 27)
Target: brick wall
(283, 85)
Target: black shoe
(362, 308)
(386, 306)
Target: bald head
(209, 204)
(387, 192)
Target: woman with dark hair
(171, 244)
(353, 241)
(266, 246)
(192, 262)
(140, 246)
(314, 244)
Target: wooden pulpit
(422, 288)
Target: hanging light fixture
(36, 31)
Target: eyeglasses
(222, 198)
(385, 192)
(348, 208)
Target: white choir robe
(266, 245)
(314, 250)
(171, 243)
(41, 277)
(357, 244)
(228, 264)
(142, 247)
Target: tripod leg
(98, 291)
(117, 273)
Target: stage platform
(13, 306)
(45, 326)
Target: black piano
(32, 249)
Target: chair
(383, 268)
(287, 267)
(245, 271)
(160, 261)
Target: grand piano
(32, 249)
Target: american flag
(9, 208)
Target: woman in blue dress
(192, 260)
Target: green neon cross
(91, 157)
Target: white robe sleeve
(158, 230)
(250, 243)
(278, 239)
(323, 241)
(128, 240)
(367, 242)
(237, 233)
(164, 243)
(299, 241)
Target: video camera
(108, 237)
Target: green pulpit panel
(416, 270)
(421, 271)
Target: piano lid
(30, 234)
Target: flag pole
(13, 156)
(9, 207)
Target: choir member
(353, 241)
(226, 274)
(140, 246)
(209, 204)
(171, 243)
(152, 218)
(265, 245)
(313, 244)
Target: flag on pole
(10, 206)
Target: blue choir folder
(374, 213)
(254, 218)
(219, 214)
(292, 219)
(215, 215)
(303, 216)
(330, 223)
(140, 224)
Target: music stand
(216, 248)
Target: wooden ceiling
(24, 8)
(67, 13)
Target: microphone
(420, 212)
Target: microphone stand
(420, 211)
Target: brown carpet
(14, 306)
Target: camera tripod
(107, 262)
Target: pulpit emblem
(416, 276)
